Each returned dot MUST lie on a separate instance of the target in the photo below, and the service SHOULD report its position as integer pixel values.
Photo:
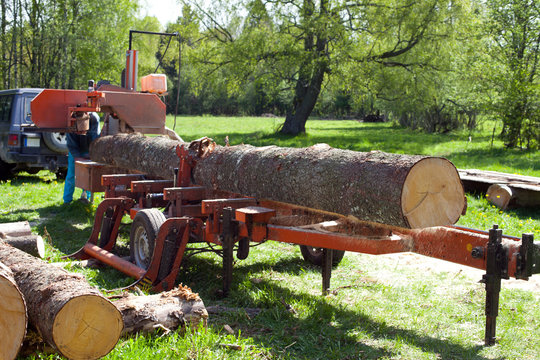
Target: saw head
(62, 110)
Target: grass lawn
(380, 307)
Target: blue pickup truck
(22, 150)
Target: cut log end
(80, 332)
(430, 183)
(13, 316)
(30, 244)
(500, 195)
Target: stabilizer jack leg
(496, 269)
(326, 270)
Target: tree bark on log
(68, 313)
(30, 244)
(13, 318)
(167, 310)
(408, 191)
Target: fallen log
(68, 313)
(13, 317)
(168, 310)
(30, 244)
(408, 191)
(19, 228)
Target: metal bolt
(477, 252)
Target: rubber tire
(6, 172)
(61, 173)
(315, 255)
(56, 142)
(146, 223)
(32, 171)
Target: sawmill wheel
(314, 255)
(142, 238)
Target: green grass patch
(380, 307)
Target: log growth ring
(425, 186)
(79, 329)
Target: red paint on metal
(114, 261)
(143, 112)
(336, 241)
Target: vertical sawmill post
(228, 236)
(326, 270)
(496, 269)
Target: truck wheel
(61, 173)
(142, 238)
(6, 172)
(56, 142)
(315, 255)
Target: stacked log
(19, 235)
(14, 229)
(68, 313)
(408, 191)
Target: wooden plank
(524, 190)
(493, 177)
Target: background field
(381, 307)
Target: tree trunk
(167, 310)
(310, 74)
(3, 49)
(400, 190)
(69, 314)
(13, 315)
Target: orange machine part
(143, 112)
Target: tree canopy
(434, 65)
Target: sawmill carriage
(170, 214)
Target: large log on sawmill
(69, 314)
(12, 315)
(402, 190)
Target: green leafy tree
(63, 43)
(514, 26)
(300, 44)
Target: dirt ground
(426, 263)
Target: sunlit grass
(380, 307)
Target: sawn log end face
(13, 319)
(432, 194)
(87, 327)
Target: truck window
(27, 110)
(5, 107)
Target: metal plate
(31, 142)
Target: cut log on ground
(500, 195)
(402, 190)
(69, 314)
(30, 244)
(20, 228)
(167, 311)
(13, 315)
(519, 190)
